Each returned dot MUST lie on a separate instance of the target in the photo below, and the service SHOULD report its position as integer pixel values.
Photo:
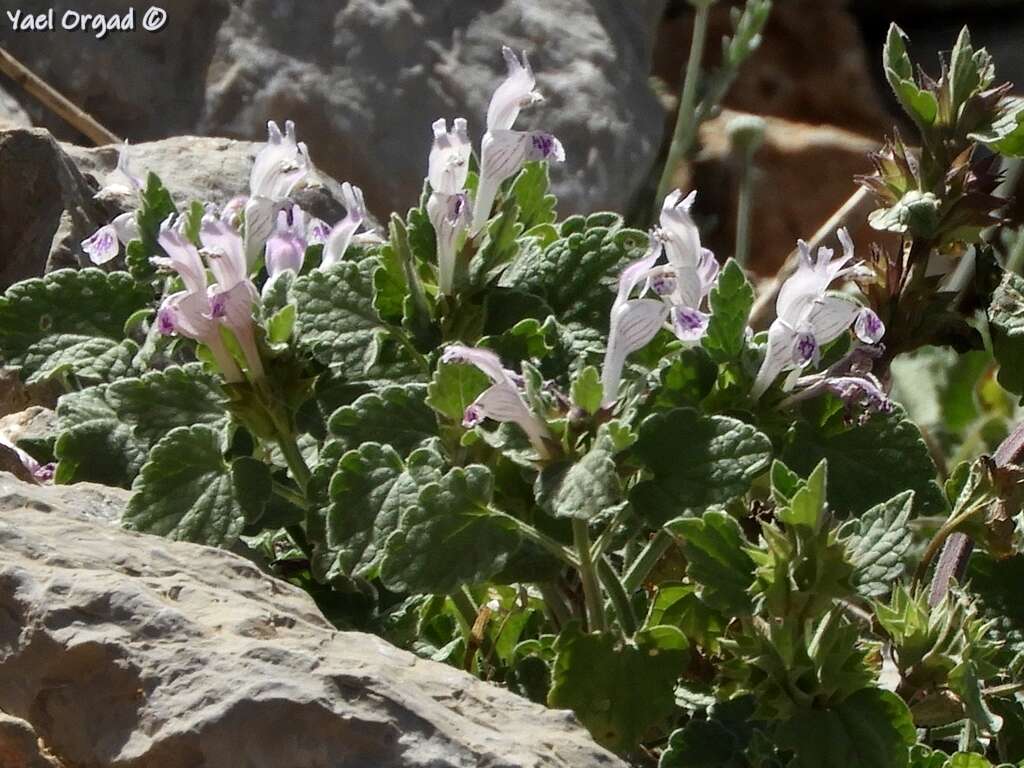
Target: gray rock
(130, 650)
(99, 503)
(364, 79)
(12, 114)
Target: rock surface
(129, 650)
(12, 114)
(20, 747)
(364, 79)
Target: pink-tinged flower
(233, 294)
(504, 151)
(286, 247)
(633, 322)
(808, 317)
(502, 401)
(104, 244)
(191, 315)
(343, 232)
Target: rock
(15, 396)
(12, 114)
(808, 48)
(33, 429)
(46, 191)
(130, 650)
(99, 503)
(20, 747)
(804, 173)
(364, 79)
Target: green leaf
(965, 681)
(1006, 322)
(95, 445)
(530, 190)
(919, 104)
(878, 543)
(586, 391)
(861, 459)
(499, 245)
(731, 300)
(451, 537)
(359, 490)
(697, 461)
(1006, 133)
(252, 485)
(718, 742)
(995, 585)
(159, 401)
(716, 559)
(336, 320)
(186, 491)
(577, 273)
(454, 387)
(869, 729)
(591, 485)
(785, 483)
(807, 505)
(397, 416)
(70, 320)
(155, 206)
(617, 690)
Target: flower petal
(503, 402)
(182, 257)
(689, 324)
(777, 358)
(127, 227)
(102, 246)
(503, 154)
(224, 252)
(830, 316)
(680, 233)
(484, 359)
(868, 326)
(280, 165)
(633, 325)
(450, 216)
(514, 93)
(449, 157)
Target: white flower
(447, 207)
(342, 233)
(502, 401)
(808, 317)
(504, 151)
(450, 216)
(449, 157)
(104, 244)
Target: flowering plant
(556, 453)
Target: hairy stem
(555, 603)
(619, 597)
(744, 210)
(588, 575)
(686, 117)
(644, 564)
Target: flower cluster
(503, 153)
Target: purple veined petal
(778, 357)
(233, 305)
(189, 314)
(317, 231)
(225, 255)
(689, 287)
(679, 231)
(280, 165)
(690, 325)
(233, 209)
(806, 349)
(662, 281)
(484, 359)
(182, 257)
(633, 274)
(46, 472)
(166, 317)
(708, 270)
(260, 218)
(868, 326)
(830, 317)
(503, 154)
(515, 92)
(285, 250)
(450, 216)
(449, 157)
(633, 325)
(127, 227)
(502, 402)
(102, 246)
(340, 237)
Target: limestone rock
(129, 650)
(364, 79)
(20, 747)
(12, 114)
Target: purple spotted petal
(690, 324)
(805, 349)
(869, 327)
(102, 246)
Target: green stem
(605, 539)
(944, 532)
(563, 553)
(613, 586)
(686, 117)
(645, 563)
(744, 210)
(556, 604)
(467, 610)
(298, 535)
(588, 575)
(290, 494)
(293, 458)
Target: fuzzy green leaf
(530, 190)
(70, 320)
(717, 560)
(95, 445)
(697, 461)
(451, 537)
(730, 300)
(921, 105)
(454, 387)
(397, 416)
(617, 690)
(587, 391)
(186, 490)
(869, 729)
(879, 541)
